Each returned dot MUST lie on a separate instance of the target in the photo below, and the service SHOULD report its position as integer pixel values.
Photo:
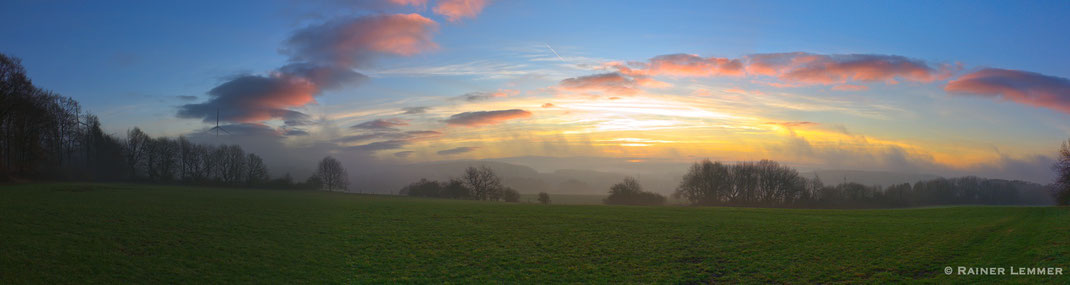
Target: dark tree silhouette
(1062, 170)
(544, 198)
(333, 175)
(510, 195)
(256, 172)
(629, 192)
(484, 184)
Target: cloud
(324, 77)
(455, 10)
(295, 132)
(810, 68)
(613, 82)
(458, 150)
(850, 87)
(409, 135)
(684, 65)
(353, 42)
(404, 154)
(416, 3)
(377, 146)
(548, 105)
(380, 124)
(322, 57)
(186, 97)
(794, 124)
(481, 96)
(480, 118)
(414, 110)
(1021, 87)
(241, 130)
(254, 98)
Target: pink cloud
(353, 42)
(794, 124)
(1022, 87)
(850, 87)
(416, 3)
(839, 69)
(685, 65)
(455, 10)
(615, 83)
(482, 118)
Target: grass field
(86, 233)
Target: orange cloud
(685, 65)
(455, 10)
(482, 118)
(1022, 87)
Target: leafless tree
(484, 184)
(256, 172)
(332, 174)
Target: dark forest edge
(45, 136)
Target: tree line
(767, 183)
(49, 137)
(474, 184)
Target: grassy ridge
(77, 233)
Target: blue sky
(136, 63)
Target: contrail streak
(555, 53)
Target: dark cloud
(377, 146)
(295, 132)
(322, 58)
(480, 118)
(404, 154)
(482, 96)
(380, 124)
(1021, 87)
(253, 98)
(458, 150)
(186, 97)
(389, 135)
(243, 130)
(414, 110)
(324, 77)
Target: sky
(949, 88)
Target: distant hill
(882, 178)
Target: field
(106, 233)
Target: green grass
(84, 233)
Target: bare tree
(256, 172)
(332, 174)
(484, 184)
(134, 150)
(1062, 170)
